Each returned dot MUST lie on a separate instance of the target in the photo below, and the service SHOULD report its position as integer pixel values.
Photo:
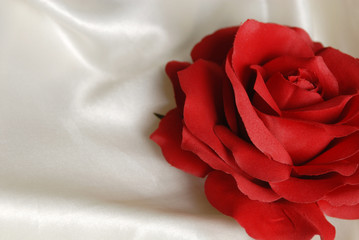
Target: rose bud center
(304, 79)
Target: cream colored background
(79, 81)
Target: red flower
(272, 118)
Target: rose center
(304, 79)
(302, 82)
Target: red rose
(272, 118)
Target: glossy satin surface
(79, 82)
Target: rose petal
(340, 149)
(344, 212)
(350, 114)
(248, 187)
(323, 112)
(215, 47)
(289, 96)
(257, 131)
(203, 109)
(316, 65)
(344, 168)
(194, 145)
(253, 188)
(270, 221)
(353, 158)
(256, 43)
(229, 106)
(251, 160)
(345, 195)
(172, 68)
(168, 137)
(262, 93)
(353, 179)
(312, 189)
(306, 190)
(344, 67)
(316, 46)
(297, 135)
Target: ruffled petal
(169, 137)
(253, 188)
(345, 195)
(203, 108)
(344, 212)
(267, 221)
(246, 185)
(215, 47)
(251, 160)
(257, 43)
(344, 168)
(194, 145)
(353, 179)
(307, 190)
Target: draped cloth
(79, 82)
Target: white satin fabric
(80, 81)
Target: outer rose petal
(193, 144)
(168, 137)
(344, 212)
(251, 160)
(268, 221)
(245, 184)
(344, 67)
(256, 43)
(353, 179)
(316, 46)
(344, 167)
(203, 109)
(171, 69)
(307, 190)
(345, 195)
(215, 47)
